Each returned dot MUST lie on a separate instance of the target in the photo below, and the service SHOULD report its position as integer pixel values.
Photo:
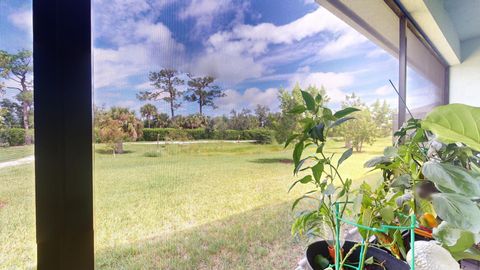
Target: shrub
(12, 136)
(264, 136)
(177, 135)
(198, 134)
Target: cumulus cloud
(204, 11)
(342, 46)
(208, 13)
(22, 20)
(139, 43)
(248, 99)
(252, 51)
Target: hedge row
(264, 136)
(12, 137)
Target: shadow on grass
(255, 239)
(272, 160)
(109, 152)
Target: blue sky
(253, 48)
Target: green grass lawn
(15, 152)
(204, 206)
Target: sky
(252, 48)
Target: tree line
(168, 86)
(16, 77)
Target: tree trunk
(171, 107)
(119, 147)
(201, 113)
(25, 112)
(348, 144)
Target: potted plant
(331, 194)
(434, 165)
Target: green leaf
(341, 121)
(299, 166)
(457, 210)
(309, 101)
(452, 179)
(454, 239)
(290, 139)
(317, 132)
(387, 214)
(327, 114)
(369, 261)
(304, 180)
(320, 148)
(295, 203)
(402, 181)
(317, 171)
(390, 152)
(375, 161)
(455, 123)
(472, 253)
(321, 261)
(298, 109)
(345, 155)
(318, 98)
(297, 153)
(345, 112)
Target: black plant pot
(389, 262)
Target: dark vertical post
(402, 75)
(63, 134)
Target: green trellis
(383, 229)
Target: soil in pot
(380, 256)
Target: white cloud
(246, 51)
(376, 53)
(227, 66)
(22, 20)
(384, 90)
(333, 82)
(342, 46)
(116, 20)
(204, 11)
(139, 43)
(255, 37)
(248, 99)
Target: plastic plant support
(383, 229)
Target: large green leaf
(455, 123)
(345, 112)
(452, 179)
(309, 100)
(345, 155)
(454, 239)
(457, 210)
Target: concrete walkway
(17, 162)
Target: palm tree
(148, 111)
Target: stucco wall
(465, 77)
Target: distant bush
(263, 136)
(12, 136)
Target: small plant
(316, 168)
